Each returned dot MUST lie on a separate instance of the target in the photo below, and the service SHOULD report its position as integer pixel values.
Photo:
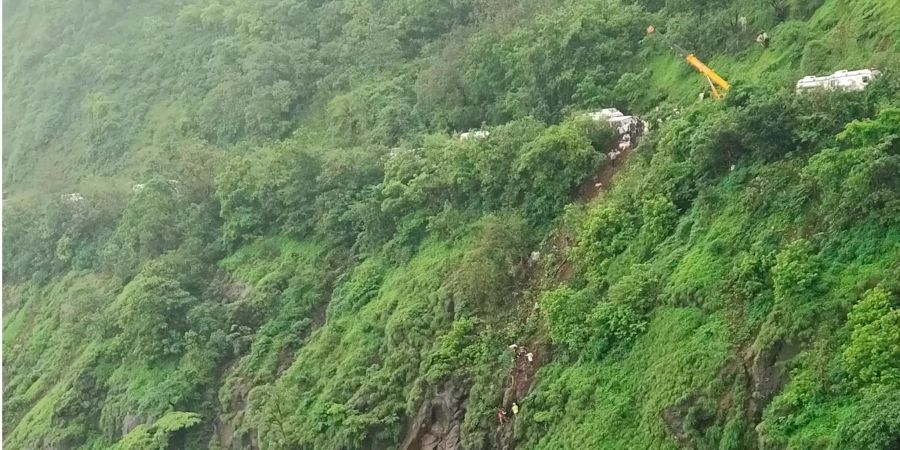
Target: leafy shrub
(157, 219)
(823, 115)
(875, 423)
(873, 354)
(611, 324)
(456, 349)
(659, 217)
(855, 182)
(152, 314)
(766, 123)
(804, 9)
(580, 325)
(630, 89)
(882, 129)
(796, 272)
(638, 289)
(551, 166)
(714, 144)
(816, 56)
(378, 112)
(487, 272)
(44, 236)
(567, 314)
(274, 190)
(607, 232)
(158, 435)
(797, 288)
(345, 180)
(359, 288)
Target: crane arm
(709, 73)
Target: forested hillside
(254, 225)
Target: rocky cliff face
(437, 424)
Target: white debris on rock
(74, 197)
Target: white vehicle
(605, 114)
(842, 80)
(625, 125)
(478, 134)
(620, 122)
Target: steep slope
(252, 225)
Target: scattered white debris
(74, 197)
(535, 256)
(139, 187)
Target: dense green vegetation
(252, 225)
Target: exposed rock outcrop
(437, 425)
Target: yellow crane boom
(711, 76)
(717, 84)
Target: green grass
(615, 402)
